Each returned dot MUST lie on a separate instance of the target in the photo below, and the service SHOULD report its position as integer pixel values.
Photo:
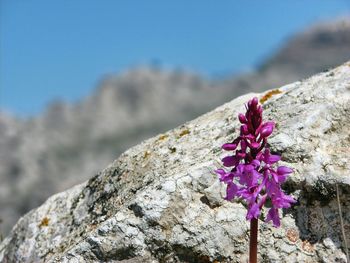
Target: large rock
(68, 143)
(161, 202)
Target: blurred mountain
(318, 48)
(57, 149)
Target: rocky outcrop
(68, 143)
(161, 202)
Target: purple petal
(254, 101)
(231, 191)
(248, 167)
(250, 178)
(244, 129)
(262, 201)
(249, 137)
(283, 201)
(255, 174)
(253, 212)
(240, 154)
(289, 199)
(240, 168)
(271, 159)
(274, 175)
(281, 175)
(282, 170)
(247, 195)
(220, 172)
(260, 187)
(272, 188)
(255, 145)
(229, 146)
(243, 145)
(267, 129)
(259, 109)
(260, 156)
(242, 118)
(224, 176)
(274, 216)
(282, 178)
(255, 163)
(229, 161)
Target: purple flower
(250, 173)
(231, 191)
(282, 173)
(224, 176)
(249, 176)
(267, 128)
(273, 215)
(269, 158)
(253, 211)
(281, 200)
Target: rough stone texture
(68, 143)
(161, 202)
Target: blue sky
(60, 49)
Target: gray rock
(157, 205)
(67, 143)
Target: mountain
(68, 143)
(160, 201)
(318, 48)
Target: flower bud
(254, 101)
(267, 129)
(242, 118)
(260, 109)
(244, 130)
(229, 161)
(282, 170)
(229, 146)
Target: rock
(154, 204)
(69, 142)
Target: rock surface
(68, 143)
(160, 202)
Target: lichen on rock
(166, 205)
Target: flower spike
(251, 174)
